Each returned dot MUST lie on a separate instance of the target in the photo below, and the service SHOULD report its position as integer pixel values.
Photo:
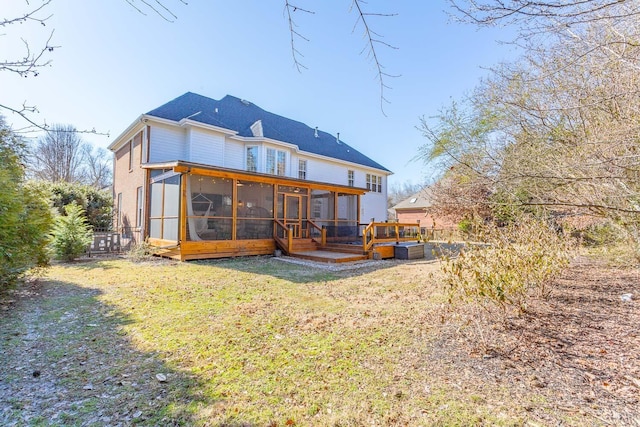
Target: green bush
(97, 204)
(71, 233)
(25, 216)
(467, 228)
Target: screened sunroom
(196, 211)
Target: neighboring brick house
(416, 209)
(206, 178)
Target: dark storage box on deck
(409, 251)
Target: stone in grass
(162, 378)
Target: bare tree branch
(31, 61)
(29, 66)
(295, 53)
(157, 7)
(373, 39)
(567, 12)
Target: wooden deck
(328, 256)
(312, 250)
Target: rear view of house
(205, 178)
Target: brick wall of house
(426, 221)
(128, 176)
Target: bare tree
(61, 155)
(98, 167)
(399, 192)
(537, 15)
(373, 39)
(33, 59)
(556, 130)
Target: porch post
(182, 219)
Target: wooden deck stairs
(332, 253)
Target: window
(254, 210)
(164, 195)
(323, 204)
(276, 162)
(282, 161)
(374, 183)
(271, 161)
(302, 169)
(209, 208)
(141, 135)
(139, 208)
(252, 158)
(119, 211)
(350, 178)
(130, 155)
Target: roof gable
(239, 115)
(419, 200)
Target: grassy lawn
(253, 341)
(271, 342)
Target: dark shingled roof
(238, 115)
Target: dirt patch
(64, 362)
(573, 357)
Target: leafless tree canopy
(62, 156)
(545, 13)
(399, 192)
(33, 59)
(557, 129)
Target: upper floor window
(131, 155)
(276, 162)
(350, 179)
(252, 158)
(374, 183)
(302, 169)
(282, 162)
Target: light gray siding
(167, 144)
(206, 147)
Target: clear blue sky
(115, 64)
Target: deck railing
(283, 235)
(322, 231)
(381, 232)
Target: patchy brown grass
(260, 342)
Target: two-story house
(205, 178)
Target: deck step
(299, 246)
(343, 248)
(329, 256)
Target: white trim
(129, 133)
(146, 120)
(163, 176)
(297, 149)
(193, 123)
